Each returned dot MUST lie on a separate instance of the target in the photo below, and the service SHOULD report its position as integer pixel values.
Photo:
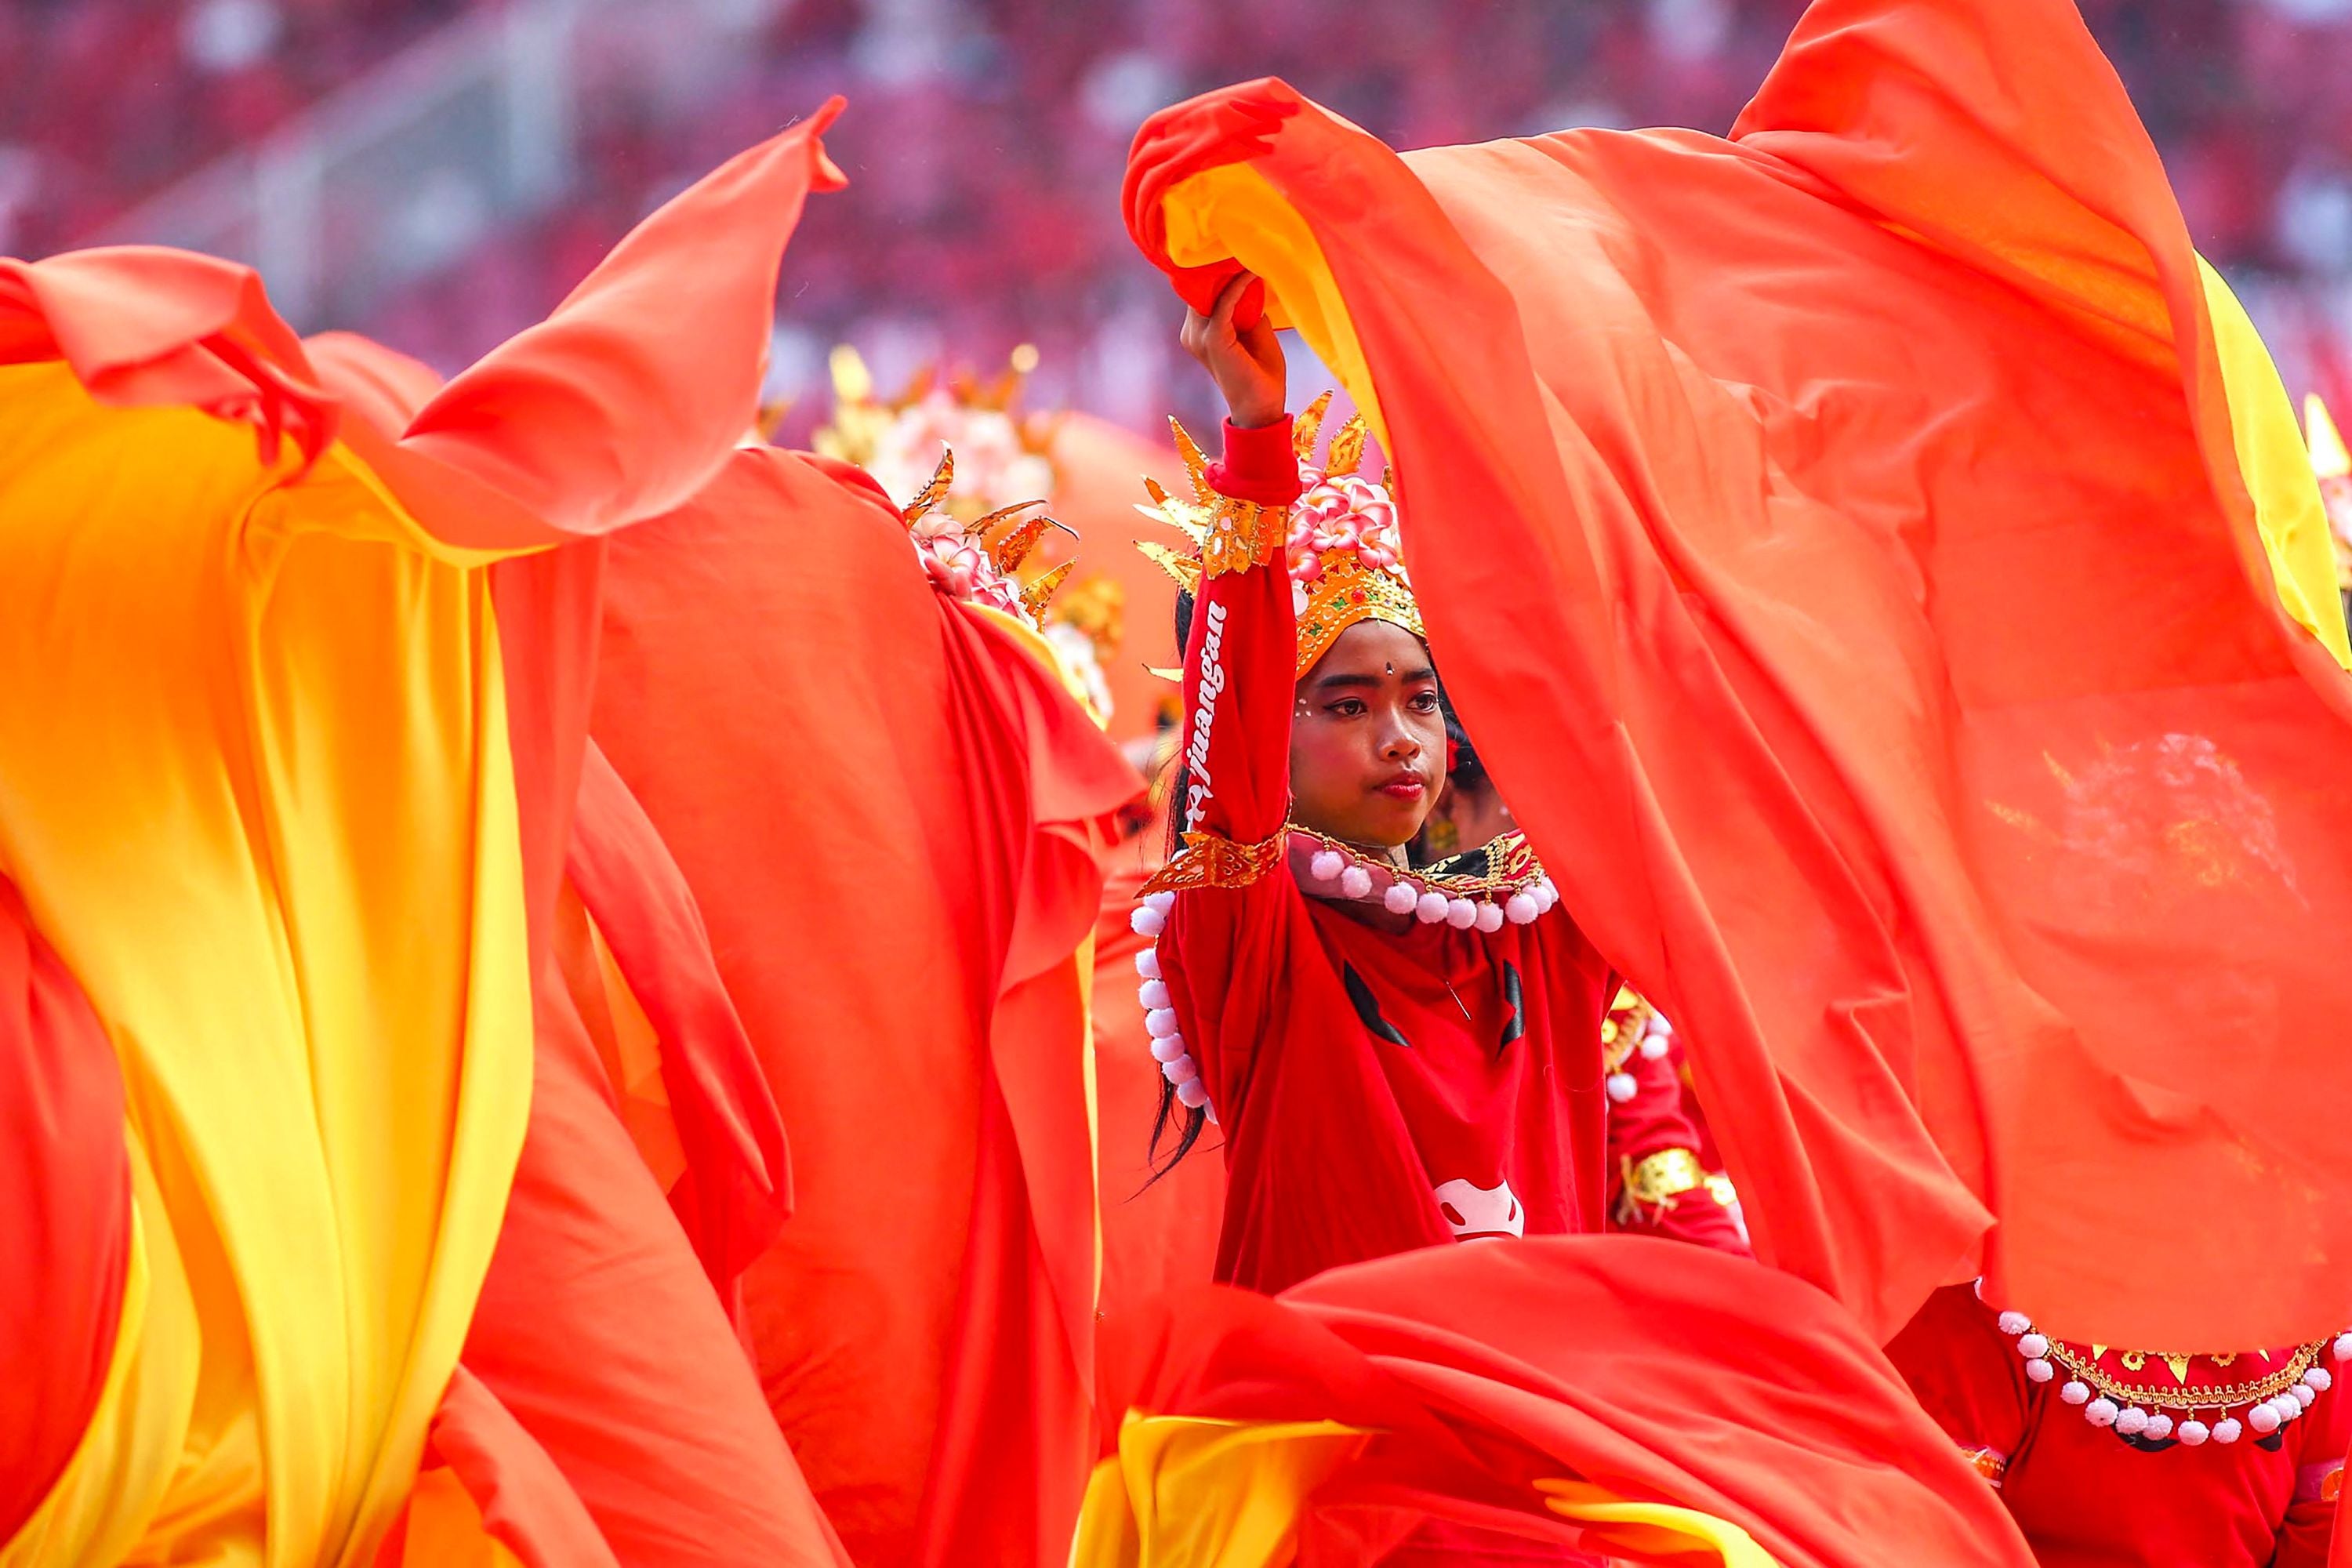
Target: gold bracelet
(1242, 535)
(1656, 1182)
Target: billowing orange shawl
(1852, 546)
(290, 791)
(887, 809)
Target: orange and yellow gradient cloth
(261, 801)
(1875, 556)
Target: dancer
(1874, 554)
(2109, 1456)
(1397, 1058)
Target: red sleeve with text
(1239, 659)
(1238, 662)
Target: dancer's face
(1368, 738)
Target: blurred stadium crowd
(985, 141)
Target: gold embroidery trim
(1512, 866)
(1242, 535)
(2152, 1397)
(1212, 860)
(1652, 1185)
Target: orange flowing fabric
(888, 810)
(733, 1190)
(326, 730)
(1688, 1391)
(1847, 542)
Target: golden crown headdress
(981, 559)
(974, 539)
(1006, 453)
(1339, 537)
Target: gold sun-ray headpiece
(960, 451)
(1005, 453)
(1339, 537)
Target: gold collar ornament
(1483, 890)
(2152, 1415)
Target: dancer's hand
(1245, 362)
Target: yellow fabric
(1235, 211)
(258, 797)
(1083, 962)
(1653, 1532)
(2278, 472)
(1184, 1492)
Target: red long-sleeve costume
(1379, 1089)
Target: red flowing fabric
(598, 1325)
(735, 1191)
(622, 403)
(887, 811)
(1156, 1236)
(1833, 537)
(65, 1212)
(144, 326)
(599, 1331)
(1658, 1370)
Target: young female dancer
(1396, 1056)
